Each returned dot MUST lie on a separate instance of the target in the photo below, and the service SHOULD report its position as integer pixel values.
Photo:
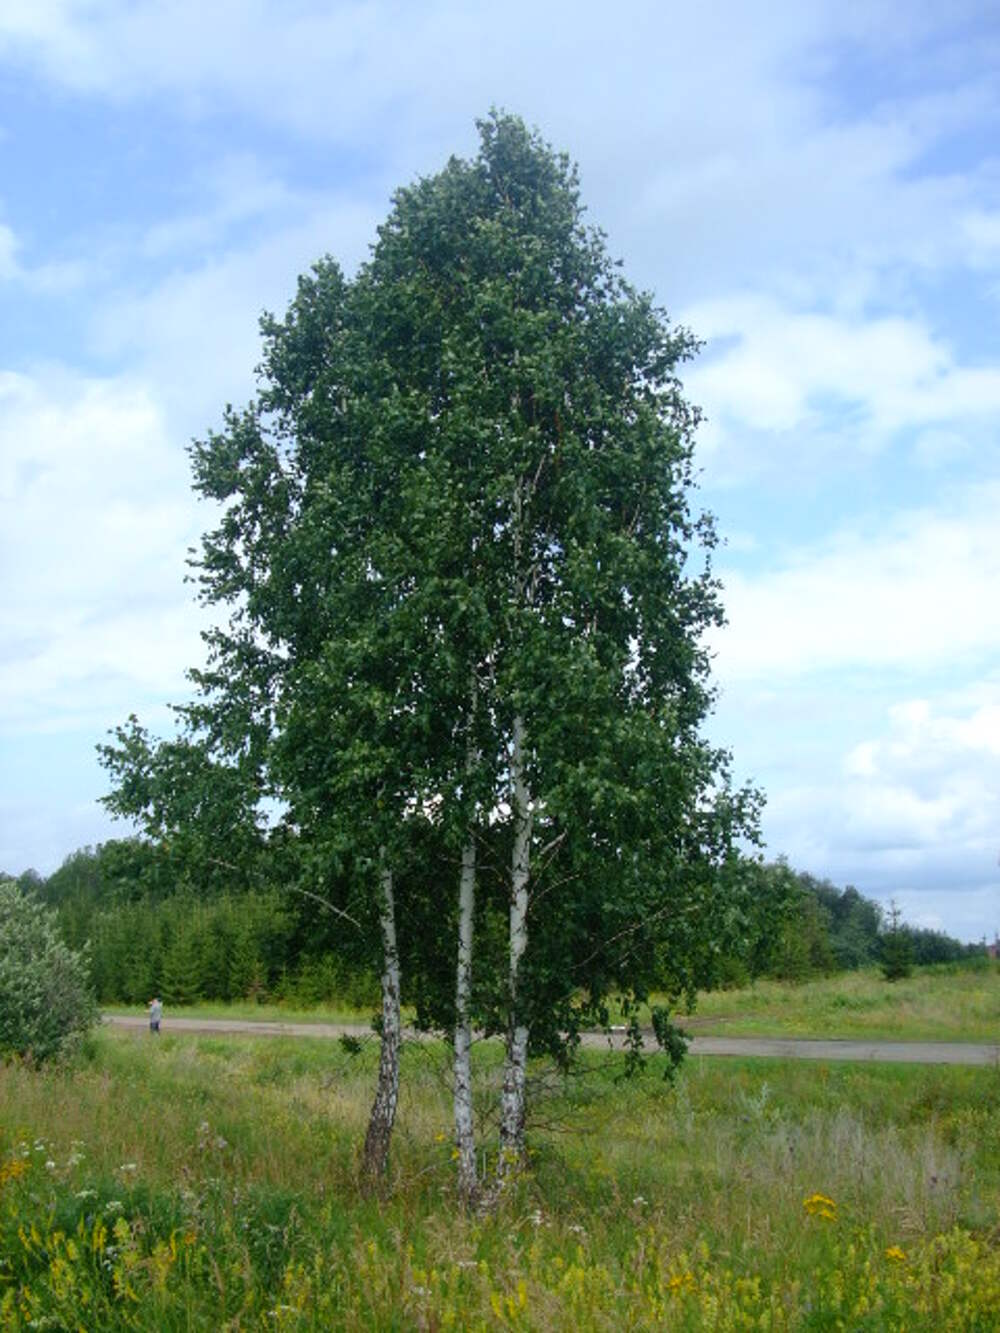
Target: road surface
(786, 1048)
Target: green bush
(46, 1003)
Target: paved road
(793, 1048)
(900, 1052)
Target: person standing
(155, 1014)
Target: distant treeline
(153, 926)
(805, 927)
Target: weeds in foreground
(188, 1185)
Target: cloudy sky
(813, 188)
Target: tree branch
(337, 911)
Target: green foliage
(803, 947)
(785, 928)
(934, 946)
(319, 978)
(46, 1002)
(855, 922)
(200, 813)
(541, 455)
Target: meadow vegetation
(946, 1002)
(213, 1183)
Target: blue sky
(814, 189)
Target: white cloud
(896, 795)
(981, 230)
(712, 139)
(781, 370)
(933, 779)
(95, 518)
(920, 592)
(8, 254)
(921, 741)
(194, 331)
(36, 832)
(238, 190)
(54, 276)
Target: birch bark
(515, 1062)
(465, 1141)
(383, 1112)
(464, 1123)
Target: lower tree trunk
(515, 1063)
(383, 1113)
(465, 1145)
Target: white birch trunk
(465, 1144)
(515, 1063)
(383, 1112)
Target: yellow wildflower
(820, 1205)
(12, 1170)
(818, 1200)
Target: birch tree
(548, 394)
(467, 596)
(319, 686)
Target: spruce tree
(896, 948)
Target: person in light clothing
(155, 1014)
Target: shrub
(46, 1003)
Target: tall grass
(212, 1183)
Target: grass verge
(249, 1011)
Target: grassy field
(935, 1004)
(211, 1183)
